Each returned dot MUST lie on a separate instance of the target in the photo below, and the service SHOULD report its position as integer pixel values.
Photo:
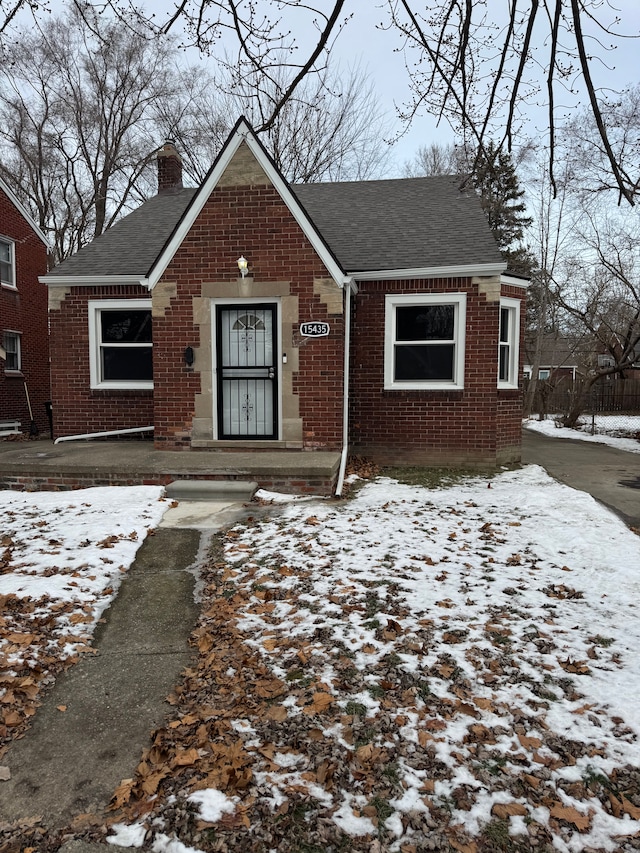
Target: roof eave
(453, 271)
(92, 280)
(515, 280)
(24, 213)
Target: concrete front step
(211, 490)
(39, 465)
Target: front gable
(244, 162)
(290, 393)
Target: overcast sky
(364, 42)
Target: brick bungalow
(24, 346)
(374, 317)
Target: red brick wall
(429, 427)
(254, 222)
(24, 310)
(77, 408)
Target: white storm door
(246, 370)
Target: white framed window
(120, 343)
(7, 263)
(424, 341)
(544, 374)
(509, 343)
(12, 351)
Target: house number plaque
(314, 329)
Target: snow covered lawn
(62, 556)
(414, 669)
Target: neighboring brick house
(396, 284)
(24, 346)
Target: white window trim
(12, 261)
(18, 337)
(514, 307)
(393, 301)
(95, 307)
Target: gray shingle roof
(405, 223)
(131, 245)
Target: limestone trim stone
(330, 294)
(161, 297)
(244, 170)
(57, 295)
(489, 286)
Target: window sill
(7, 286)
(14, 374)
(423, 386)
(122, 386)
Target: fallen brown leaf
(571, 815)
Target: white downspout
(87, 435)
(345, 412)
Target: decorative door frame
(217, 305)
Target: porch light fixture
(243, 265)
(189, 356)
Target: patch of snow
(127, 836)
(352, 824)
(213, 804)
(164, 844)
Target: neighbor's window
(120, 344)
(424, 341)
(544, 374)
(7, 266)
(11, 346)
(509, 343)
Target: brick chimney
(169, 167)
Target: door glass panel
(247, 338)
(248, 408)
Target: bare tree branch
(480, 71)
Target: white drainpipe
(350, 284)
(102, 434)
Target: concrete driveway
(611, 476)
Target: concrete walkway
(71, 761)
(611, 476)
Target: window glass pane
(11, 345)
(425, 323)
(6, 265)
(504, 325)
(424, 362)
(125, 327)
(504, 364)
(126, 364)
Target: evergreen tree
(494, 178)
